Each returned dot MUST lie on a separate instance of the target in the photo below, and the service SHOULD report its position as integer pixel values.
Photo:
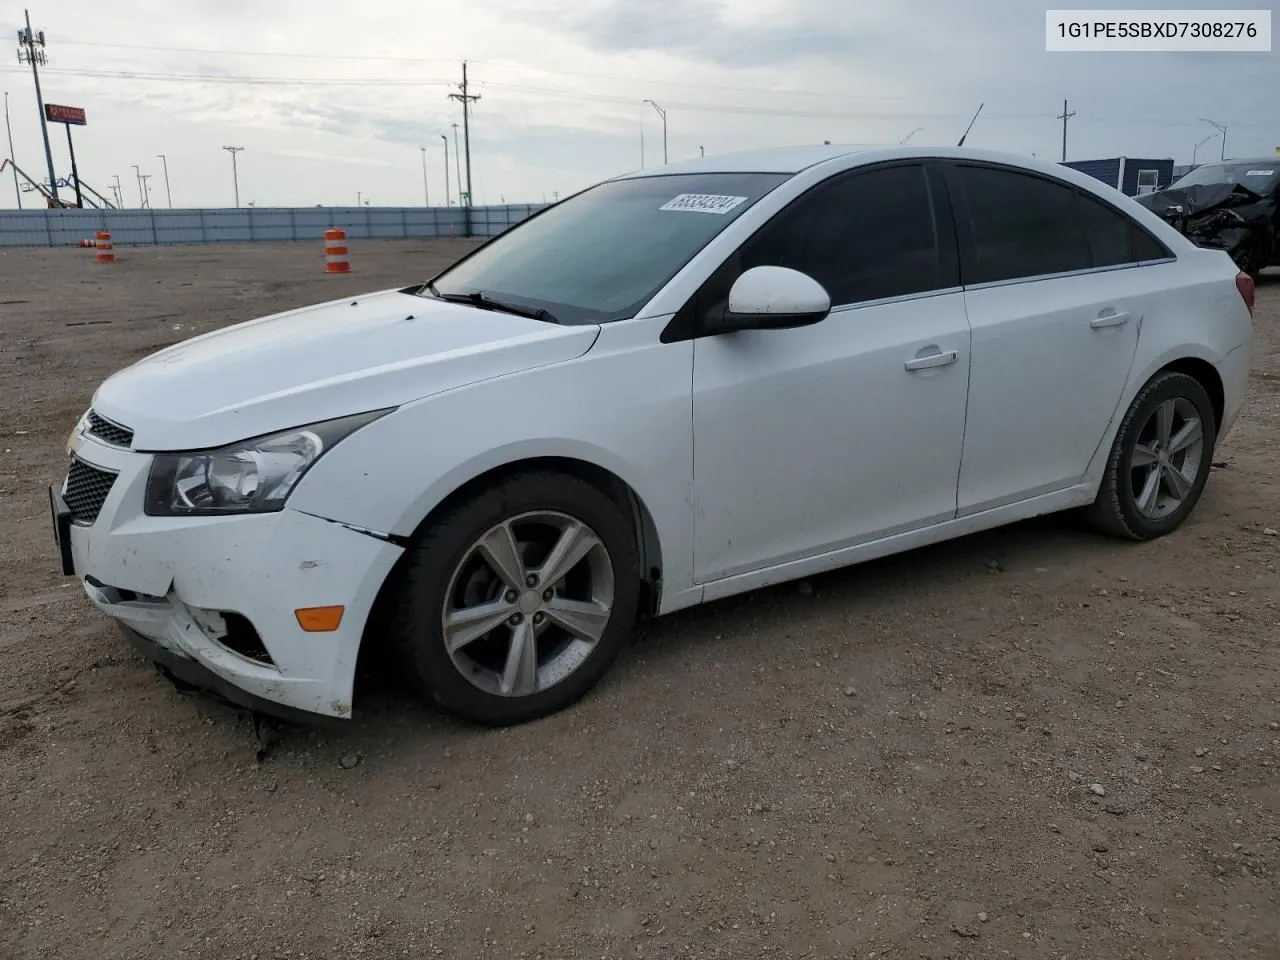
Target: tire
(450, 573)
(1120, 509)
(1249, 260)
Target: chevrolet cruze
(672, 387)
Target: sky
(333, 102)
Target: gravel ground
(1031, 743)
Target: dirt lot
(893, 761)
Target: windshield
(1261, 178)
(602, 254)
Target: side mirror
(774, 298)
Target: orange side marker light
(319, 619)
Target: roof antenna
(970, 126)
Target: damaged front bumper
(214, 600)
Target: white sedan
(672, 387)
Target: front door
(816, 438)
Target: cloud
(329, 101)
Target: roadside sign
(57, 113)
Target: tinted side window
(1113, 237)
(1147, 247)
(864, 236)
(1022, 225)
(1109, 232)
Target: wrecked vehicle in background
(1232, 205)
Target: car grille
(86, 490)
(109, 432)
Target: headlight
(254, 476)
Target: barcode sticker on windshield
(1259, 173)
(703, 203)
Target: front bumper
(213, 599)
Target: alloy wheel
(528, 603)
(1167, 458)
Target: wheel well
(1207, 375)
(603, 480)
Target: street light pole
(426, 195)
(235, 173)
(17, 192)
(165, 160)
(448, 197)
(457, 163)
(137, 172)
(1199, 145)
(663, 114)
(1222, 130)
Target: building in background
(1130, 175)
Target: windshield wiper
(478, 298)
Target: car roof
(794, 160)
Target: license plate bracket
(61, 516)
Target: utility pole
(426, 195)
(168, 195)
(137, 172)
(1222, 130)
(17, 192)
(235, 173)
(663, 114)
(1064, 118)
(448, 199)
(466, 99)
(359, 195)
(27, 53)
(146, 186)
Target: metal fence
(54, 228)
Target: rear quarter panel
(1194, 311)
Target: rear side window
(1021, 225)
(1114, 239)
(1110, 234)
(1147, 247)
(865, 236)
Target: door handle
(1112, 319)
(932, 360)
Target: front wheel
(514, 603)
(1159, 462)
(1248, 259)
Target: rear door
(1056, 301)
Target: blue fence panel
(43, 228)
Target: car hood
(330, 360)
(1196, 199)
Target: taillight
(1244, 283)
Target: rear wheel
(1159, 462)
(515, 603)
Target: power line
(580, 96)
(225, 78)
(275, 54)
